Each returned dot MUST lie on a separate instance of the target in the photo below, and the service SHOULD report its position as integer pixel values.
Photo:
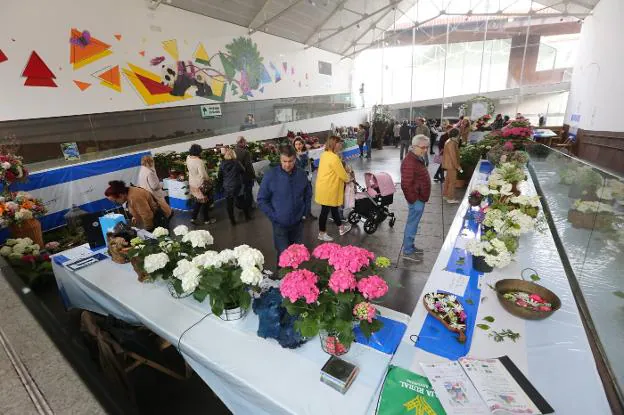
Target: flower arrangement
(518, 131)
(481, 124)
(475, 198)
(20, 207)
(331, 289)
(532, 302)
(27, 259)
(11, 170)
(495, 251)
(447, 309)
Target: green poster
(406, 393)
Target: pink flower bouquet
(332, 289)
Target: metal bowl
(505, 286)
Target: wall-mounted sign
(70, 151)
(211, 111)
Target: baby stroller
(371, 203)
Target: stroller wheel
(354, 218)
(391, 222)
(370, 226)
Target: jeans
(361, 150)
(323, 218)
(369, 147)
(284, 236)
(416, 210)
(405, 148)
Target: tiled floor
(155, 393)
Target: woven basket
(136, 265)
(118, 249)
(30, 228)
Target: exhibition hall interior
(311, 207)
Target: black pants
(248, 189)
(432, 141)
(323, 218)
(203, 207)
(229, 200)
(439, 174)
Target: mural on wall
(3, 57)
(82, 85)
(37, 72)
(109, 77)
(85, 49)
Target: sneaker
(419, 251)
(345, 228)
(452, 201)
(210, 221)
(312, 217)
(416, 257)
(325, 237)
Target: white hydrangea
(6, 165)
(505, 189)
(188, 273)
(166, 246)
(160, 231)
(481, 188)
(154, 262)
(208, 259)
(11, 242)
(492, 217)
(525, 200)
(19, 249)
(181, 230)
(251, 276)
(6, 251)
(249, 257)
(199, 238)
(23, 214)
(227, 255)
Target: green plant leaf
(535, 277)
(469, 301)
(619, 294)
(200, 295)
(244, 299)
(307, 327)
(489, 319)
(483, 326)
(365, 326)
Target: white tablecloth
(251, 375)
(553, 353)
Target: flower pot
(514, 189)
(143, 276)
(331, 344)
(232, 314)
(479, 264)
(30, 228)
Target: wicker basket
(136, 265)
(30, 228)
(590, 220)
(118, 249)
(509, 285)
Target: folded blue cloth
(385, 340)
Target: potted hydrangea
(496, 252)
(330, 290)
(28, 260)
(20, 212)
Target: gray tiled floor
(407, 278)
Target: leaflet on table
(454, 389)
(452, 283)
(497, 387)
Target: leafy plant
(483, 326)
(223, 285)
(244, 57)
(469, 156)
(489, 319)
(500, 336)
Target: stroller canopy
(380, 183)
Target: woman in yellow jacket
(330, 185)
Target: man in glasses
(416, 186)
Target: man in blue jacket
(285, 194)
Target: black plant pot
(479, 264)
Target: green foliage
(469, 156)
(32, 272)
(483, 326)
(500, 336)
(225, 288)
(245, 57)
(619, 294)
(489, 319)
(534, 277)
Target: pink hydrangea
(508, 146)
(372, 287)
(300, 284)
(323, 251)
(293, 256)
(350, 258)
(341, 281)
(365, 311)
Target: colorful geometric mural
(37, 72)
(150, 86)
(84, 51)
(110, 77)
(171, 47)
(200, 55)
(3, 57)
(82, 85)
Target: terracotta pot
(143, 276)
(30, 228)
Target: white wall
(597, 87)
(45, 26)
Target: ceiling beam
(582, 4)
(392, 4)
(275, 16)
(536, 15)
(365, 32)
(318, 28)
(262, 9)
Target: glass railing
(586, 206)
(108, 134)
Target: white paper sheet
(453, 283)
(454, 389)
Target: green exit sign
(211, 111)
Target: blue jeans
(416, 210)
(284, 236)
(369, 147)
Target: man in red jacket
(416, 186)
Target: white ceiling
(348, 26)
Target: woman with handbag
(230, 181)
(148, 179)
(147, 212)
(199, 183)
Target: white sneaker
(452, 201)
(345, 228)
(325, 237)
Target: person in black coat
(231, 173)
(249, 176)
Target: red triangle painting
(3, 57)
(37, 72)
(118, 37)
(154, 87)
(142, 53)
